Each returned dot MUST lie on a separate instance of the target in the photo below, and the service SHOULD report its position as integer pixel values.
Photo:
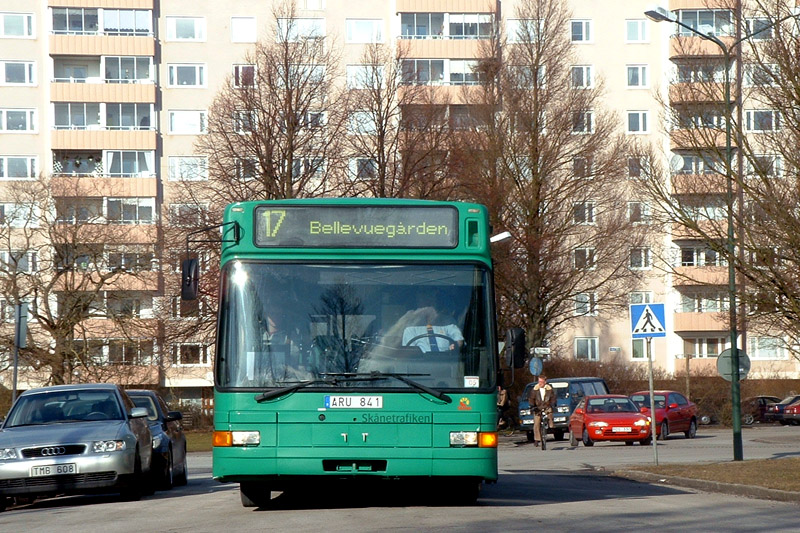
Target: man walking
(542, 399)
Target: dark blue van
(569, 392)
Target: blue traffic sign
(648, 320)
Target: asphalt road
(561, 489)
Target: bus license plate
(354, 402)
(54, 470)
(621, 429)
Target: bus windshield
(286, 323)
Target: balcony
(682, 46)
(700, 322)
(700, 275)
(125, 281)
(699, 184)
(424, 6)
(96, 90)
(75, 187)
(126, 4)
(99, 139)
(442, 48)
(703, 92)
(714, 228)
(95, 44)
(692, 138)
(675, 5)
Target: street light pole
(662, 15)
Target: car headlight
(524, 412)
(156, 441)
(103, 446)
(7, 454)
(562, 409)
(641, 423)
(599, 424)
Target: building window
(637, 122)
(76, 116)
(637, 168)
(586, 304)
(582, 122)
(245, 122)
(133, 69)
(638, 212)
(187, 122)
(186, 215)
(582, 167)
(364, 76)
(129, 116)
(361, 123)
(13, 167)
(524, 30)
(181, 308)
(759, 120)
(708, 21)
(246, 169)
(421, 25)
(243, 30)
(759, 75)
(131, 259)
(637, 76)
(131, 210)
(700, 256)
(19, 215)
(759, 28)
(190, 75)
(470, 26)
(186, 168)
(186, 28)
(762, 347)
(641, 297)
(765, 166)
(364, 30)
(128, 163)
(640, 259)
(75, 21)
(190, 354)
(636, 31)
(581, 77)
(78, 210)
(422, 71)
(307, 167)
(244, 76)
(638, 349)
(583, 258)
(18, 120)
(18, 261)
(298, 29)
(16, 25)
(363, 168)
(586, 348)
(464, 72)
(18, 72)
(127, 22)
(583, 212)
(581, 31)
(130, 352)
(704, 347)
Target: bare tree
(553, 168)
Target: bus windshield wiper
(376, 375)
(264, 396)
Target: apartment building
(107, 99)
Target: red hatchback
(612, 417)
(674, 412)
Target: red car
(674, 412)
(792, 414)
(612, 417)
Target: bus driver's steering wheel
(450, 341)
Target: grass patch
(782, 474)
(198, 441)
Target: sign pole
(652, 400)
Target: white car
(71, 439)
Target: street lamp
(659, 14)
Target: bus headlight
(463, 438)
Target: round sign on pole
(536, 366)
(725, 368)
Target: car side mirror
(190, 278)
(673, 406)
(578, 411)
(138, 412)
(173, 415)
(515, 348)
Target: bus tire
(254, 494)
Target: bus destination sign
(356, 226)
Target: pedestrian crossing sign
(647, 320)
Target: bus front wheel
(254, 494)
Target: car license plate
(560, 419)
(354, 402)
(621, 429)
(54, 470)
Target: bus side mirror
(190, 278)
(515, 348)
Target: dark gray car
(71, 439)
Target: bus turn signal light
(223, 439)
(487, 440)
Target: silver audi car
(71, 439)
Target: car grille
(61, 481)
(54, 451)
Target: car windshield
(146, 402)
(643, 400)
(64, 406)
(611, 405)
(789, 399)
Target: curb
(748, 491)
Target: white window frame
(586, 304)
(587, 122)
(641, 126)
(31, 120)
(585, 26)
(194, 209)
(586, 75)
(238, 75)
(640, 297)
(199, 29)
(240, 165)
(775, 162)
(138, 202)
(638, 345)
(188, 168)
(641, 165)
(354, 166)
(757, 346)
(361, 123)
(244, 30)
(28, 26)
(770, 72)
(31, 164)
(643, 257)
(30, 257)
(764, 33)
(177, 118)
(19, 215)
(518, 30)
(641, 29)
(138, 15)
(589, 260)
(245, 122)
(640, 73)
(592, 348)
(203, 356)
(29, 73)
(750, 120)
(374, 35)
(149, 158)
(363, 76)
(643, 209)
(299, 29)
(200, 75)
(586, 213)
(175, 308)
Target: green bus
(355, 341)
